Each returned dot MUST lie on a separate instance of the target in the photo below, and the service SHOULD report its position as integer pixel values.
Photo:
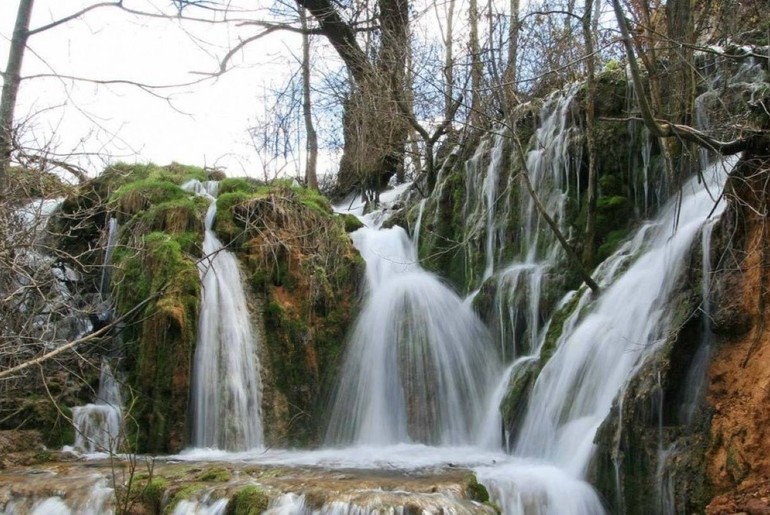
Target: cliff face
(739, 378)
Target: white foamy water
(99, 426)
(419, 363)
(226, 390)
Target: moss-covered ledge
(305, 273)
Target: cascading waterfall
(551, 164)
(594, 360)
(479, 208)
(43, 283)
(99, 426)
(419, 364)
(697, 375)
(226, 390)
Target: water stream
(420, 364)
(99, 426)
(226, 390)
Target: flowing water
(226, 390)
(99, 426)
(594, 360)
(419, 364)
(423, 379)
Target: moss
(314, 200)
(182, 215)
(475, 490)
(610, 243)
(43, 456)
(179, 173)
(217, 474)
(161, 336)
(135, 197)
(250, 500)
(187, 492)
(239, 184)
(153, 492)
(301, 262)
(226, 226)
(51, 420)
(351, 222)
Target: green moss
(188, 492)
(160, 337)
(217, 474)
(556, 326)
(239, 184)
(475, 490)
(52, 421)
(152, 494)
(351, 222)
(135, 197)
(250, 500)
(179, 173)
(611, 242)
(302, 264)
(226, 226)
(43, 456)
(175, 216)
(314, 200)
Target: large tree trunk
(510, 76)
(374, 130)
(449, 63)
(11, 83)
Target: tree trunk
(680, 82)
(375, 135)
(593, 180)
(11, 83)
(510, 76)
(449, 64)
(477, 69)
(311, 177)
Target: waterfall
(226, 390)
(697, 375)
(595, 358)
(66, 494)
(480, 205)
(419, 363)
(551, 165)
(99, 426)
(112, 237)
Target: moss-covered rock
(159, 284)
(305, 273)
(152, 494)
(650, 453)
(475, 490)
(250, 500)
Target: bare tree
(311, 177)
(11, 81)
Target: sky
(201, 124)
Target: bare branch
(92, 336)
(73, 16)
(662, 129)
